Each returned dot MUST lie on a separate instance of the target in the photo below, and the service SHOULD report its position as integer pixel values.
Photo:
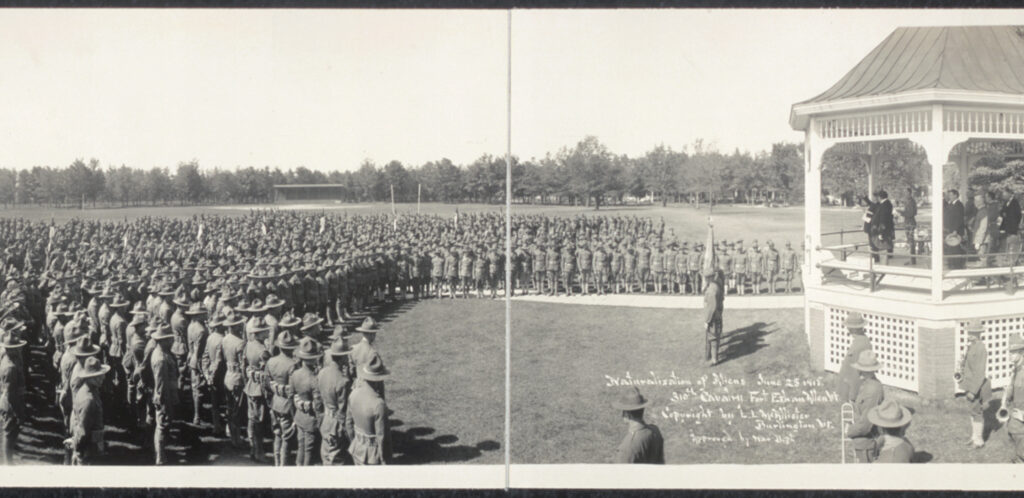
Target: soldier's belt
(282, 390)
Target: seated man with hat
(643, 443)
(891, 419)
(869, 395)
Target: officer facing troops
(334, 382)
(849, 380)
(869, 395)
(771, 265)
(12, 395)
(371, 441)
(643, 442)
(714, 299)
(755, 265)
(972, 380)
(308, 406)
(87, 434)
(787, 266)
(739, 268)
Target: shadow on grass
(742, 342)
(419, 445)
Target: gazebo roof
(973, 58)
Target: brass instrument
(846, 416)
(1003, 414)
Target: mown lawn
(561, 413)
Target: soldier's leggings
(306, 447)
(10, 427)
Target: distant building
(311, 192)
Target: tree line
(586, 174)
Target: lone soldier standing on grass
(714, 298)
(977, 388)
(787, 266)
(848, 379)
(869, 395)
(643, 443)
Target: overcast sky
(327, 89)
(324, 89)
(638, 78)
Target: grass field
(561, 413)
(446, 395)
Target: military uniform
(255, 356)
(371, 439)
(308, 412)
(714, 299)
(976, 386)
(568, 269)
(643, 266)
(584, 263)
(739, 269)
(771, 266)
(1015, 404)
(554, 266)
(848, 380)
(282, 412)
(213, 369)
(12, 406)
(233, 355)
(787, 266)
(755, 265)
(539, 269)
(642, 444)
(334, 382)
(165, 398)
(87, 435)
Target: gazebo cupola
(953, 95)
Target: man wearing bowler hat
(643, 442)
(335, 383)
(371, 441)
(12, 395)
(308, 406)
(848, 379)
(87, 441)
(869, 395)
(892, 419)
(976, 386)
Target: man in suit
(883, 229)
(953, 213)
(909, 214)
(1009, 228)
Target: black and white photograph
(767, 237)
(520, 248)
(224, 236)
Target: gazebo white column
(813, 153)
(938, 154)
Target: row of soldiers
(625, 255)
(120, 292)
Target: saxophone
(1003, 415)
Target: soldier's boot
(196, 403)
(977, 432)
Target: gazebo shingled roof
(976, 58)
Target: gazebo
(951, 95)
